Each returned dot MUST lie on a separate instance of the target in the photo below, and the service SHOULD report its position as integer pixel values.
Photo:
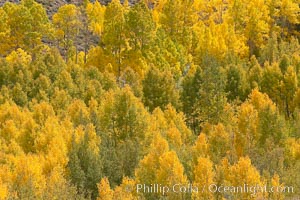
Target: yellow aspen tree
(95, 12)
(34, 26)
(277, 194)
(203, 177)
(289, 14)
(126, 190)
(51, 143)
(176, 19)
(60, 100)
(248, 134)
(261, 101)
(67, 25)
(201, 148)
(28, 177)
(78, 113)
(146, 171)
(160, 166)
(292, 146)
(243, 172)
(140, 27)
(222, 173)
(171, 172)
(158, 6)
(174, 138)
(40, 24)
(3, 191)
(114, 35)
(169, 122)
(105, 193)
(41, 112)
(19, 57)
(250, 20)
(177, 119)
(219, 142)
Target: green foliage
(140, 27)
(27, 24)
(236, 85)
(123, 125)
(85, 164)
(159, 89)
(114, 33)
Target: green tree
(123, 127)
(189, 96)
(140, 27)
(271, 82)
(159, 89)
(177, 18)
(85, 164)
(210, 106)
(236, 83)
(290, 85)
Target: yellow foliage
(201, 147)
(204, 176)
(177, 119)
(78, 112)
(42, 112)
(28, 171)
(4, 32)
(244, 173)
(19, 57)
(66, 20)
(293, 148)
(290, 9)
(126, 191)
(170, 171)
(220, 40)
(94, 139)
(3, 191)
(95, 12)
(248, 134)
(174, 137)
(53, 111)
(261, 101)
(172, 126)
(158, 7)
(52, 144)
(105, 193)
(275, 182)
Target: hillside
(164, 99)
(52, 6)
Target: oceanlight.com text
(212, 188)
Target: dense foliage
(96, 99)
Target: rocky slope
(53, 5)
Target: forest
(97, 99)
